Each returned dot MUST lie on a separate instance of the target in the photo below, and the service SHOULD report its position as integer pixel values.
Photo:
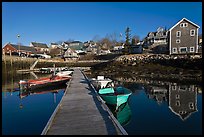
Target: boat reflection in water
(51, 89)
(122, 114)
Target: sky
(48, 22)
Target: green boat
(115, 96)
(123, 114)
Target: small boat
(100, 82)
(122, 114)
(42, 83)
(45, 70)
(115, 95)
(67, 73)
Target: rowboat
(122, 114)
(100, 82)
(42, 83)
(115, 95)
(67, 73)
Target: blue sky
(60, 21)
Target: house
(40, 47)
(56, 50)
(65, 45)
(54, 45)
(156, 38)
(15, 49)
(71, 54)
(200, 44)
(136, 49)
(183, 37)
(182, 100)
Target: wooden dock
(81, 113)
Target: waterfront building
(40, 47)
(183, 37)
(14, 49)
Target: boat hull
(45, 85)
(117, 98)
(123, 114)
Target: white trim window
(178, 34)
(192, 49)
(183, 49)
(178, 41)
(174, 51)
(181, 25)
(192, 32)
(185, 24)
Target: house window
(174, 51)
(178, 34)
(191, 106)
(181, 25)
(177, 96)
(177, 103)
(183, 49)
(178, 41)
(192, 32)
(191, 49)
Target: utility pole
(18, 36)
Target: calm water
(168, 109)
(26, 113)
(154, 108)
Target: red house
(15, 49)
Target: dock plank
(80, 112)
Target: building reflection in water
(182, 99)
(157, 93)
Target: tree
(127, 41)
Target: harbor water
(26, 113)
(153, 108)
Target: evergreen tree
(127, 41)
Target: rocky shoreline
(156, 67)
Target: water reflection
(181, 99)
(33, 107)
(159, 94)
(123, 113)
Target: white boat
(100, 82)
(67, 73)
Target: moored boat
(67, 73)
(122, 114)
(115, 95)
(100, 82)
(40, 83)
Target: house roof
(53, 44)
(181, 21)
(26, 48)
(40, 45)
(76, 42)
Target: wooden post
(10, 57)
(54, 68)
